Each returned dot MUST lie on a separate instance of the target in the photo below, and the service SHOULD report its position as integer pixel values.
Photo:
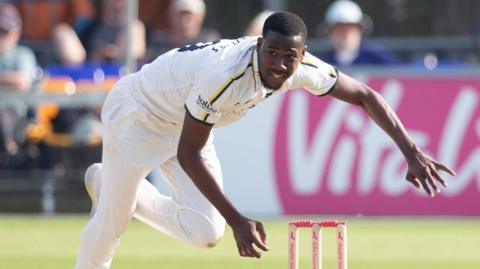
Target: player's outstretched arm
(423, 171)
(247, 232)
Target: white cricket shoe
(92, 185)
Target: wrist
(411, 152)
(233, 217)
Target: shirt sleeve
(209, 96)
(316, 76)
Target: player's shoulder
(313, 66)
(311, 60)
(314, 75)
(230, 57)
(232, 51)
(220, 47)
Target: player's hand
(424, 172)
(248, 234)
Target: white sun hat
(343, 11)
(192, 6)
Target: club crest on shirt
(205, 104)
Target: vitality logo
(329, 157)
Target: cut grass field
(31, 242)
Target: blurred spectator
(154, 14)
(17, 72)
(58, 24)
(17, 63)
(256, 25)
(186, 26)
(345, 22)
(106, 42)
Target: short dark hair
(285, 23)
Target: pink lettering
(331, 158)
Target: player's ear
(259, 43)
(303, 52)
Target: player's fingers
(439, 178)
(257, 242)
(251, 251)
(241, 250)
(425, 186)
(444, 168)
(255, 253)
(246, 249)
(263, 235)
(431, 180)
(413, 180)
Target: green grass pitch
(28, 242)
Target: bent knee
(201, 230)
(111, 224)
(209, 239)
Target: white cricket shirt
(217, 82)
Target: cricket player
(163, 116)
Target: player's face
(279, 57)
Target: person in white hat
(346, 21)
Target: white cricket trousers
(124, 193)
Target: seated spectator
(186, 27)
(106, 42)
(344, 20)
(256, 25)
(58, 24)
(17, 72)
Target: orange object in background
(66, 85)
(56, 84)
(42, 129)
(88, 85)
(39, 17)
